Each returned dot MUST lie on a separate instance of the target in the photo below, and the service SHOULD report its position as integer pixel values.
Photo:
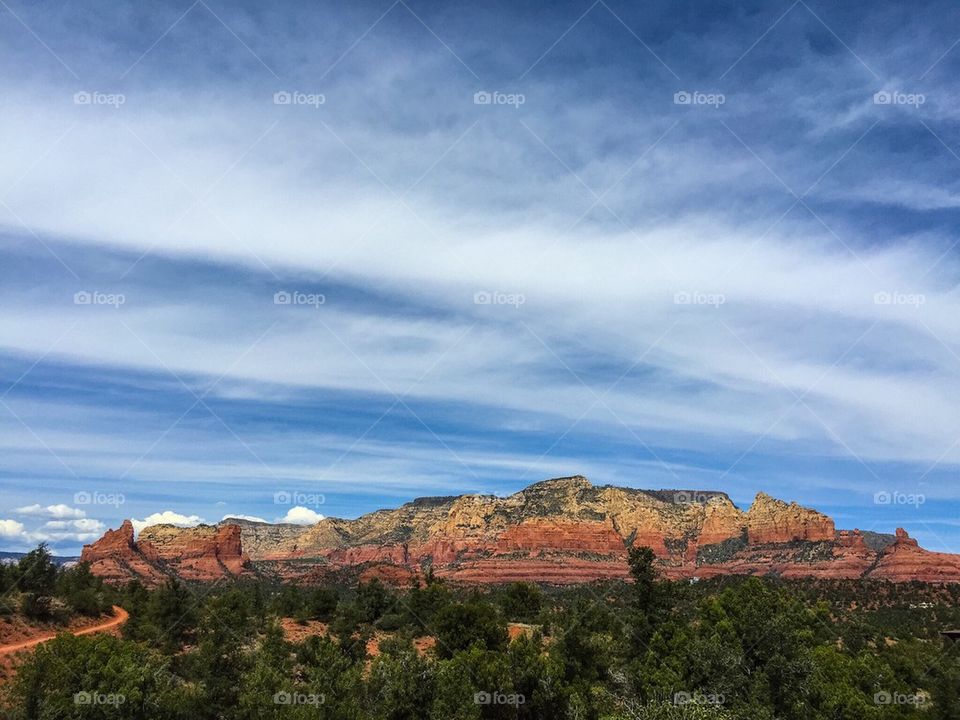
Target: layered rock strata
(564, 530)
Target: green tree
(165, 617)
(322, 603)
(400, 685)
(74, 677)
(521, 602)
(82, 590)
(649, 597)
(289, 602)
(268, 673)
(423, 603)
(36, 572)
(221, 660)
(333, 676)
(374, 600)
(460, 625)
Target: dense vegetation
(728, 648)
(41, 590)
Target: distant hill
(12, 557)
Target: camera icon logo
(282, 98)
(82, 298)
(82, 98)
(482, 698)
(282, 497)
(482, 97)
(282, 297)
(682, 98)
(882, 498)
(882, 98)
(82, 498)
(482, 298)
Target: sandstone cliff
(116, 557)
(564, 530)
(906, 560)
(205, 552)
(773, 521)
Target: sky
(294, 260)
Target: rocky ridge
(564, 530)
(202, 553)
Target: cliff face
(906, 560)
(201, 553)
(117, 557)
(774, 521)
(564, 530)
(204, 552)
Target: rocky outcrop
(564, 530)
(205, 552)
(202, 553)
(773, 521)
(260, 539)
(905, 559)
(116, 557)
(722, 520)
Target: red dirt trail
(119, 618)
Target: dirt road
(119, 618)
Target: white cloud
(11, 529)
(774, 281)
(80, 530)
(51, 511)
(251, 518)
(301, 516)
(82, 525)
(167, 517)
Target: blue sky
(700, 246)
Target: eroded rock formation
(116, 556)
(564, 530)
(205, 552)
